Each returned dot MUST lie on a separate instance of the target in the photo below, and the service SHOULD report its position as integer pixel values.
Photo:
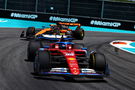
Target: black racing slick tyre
(42, 62)
(79, 34)
(98, 62)
(30, 32)
(33, 46)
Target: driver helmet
(63, 46)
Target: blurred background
(112, 9)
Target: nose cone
(75, 71)
(73, 66)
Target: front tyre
(98, 62)
(30, 32)
(33, 46)
(42, 62)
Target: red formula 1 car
(69, 60)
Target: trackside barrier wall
(17, 19)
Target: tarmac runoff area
(125, 45)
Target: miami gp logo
(61, 19)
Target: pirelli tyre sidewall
(79, 34)
(30, 32)
(33, 46)
(98, 62)
(42, 62)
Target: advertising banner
(53, 18)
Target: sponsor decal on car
(62, 19)
(104, 23)
(86, 70)
(27, 16)
(54, 36)
(69, 54)
(59, 70)
(71, 59)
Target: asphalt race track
(16, 72)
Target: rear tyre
(33, 46)
(79, 33)
(30, 32)
(42, 62)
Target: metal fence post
(68, 8)
(5, 4)
(102, 9)
(36, 6)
